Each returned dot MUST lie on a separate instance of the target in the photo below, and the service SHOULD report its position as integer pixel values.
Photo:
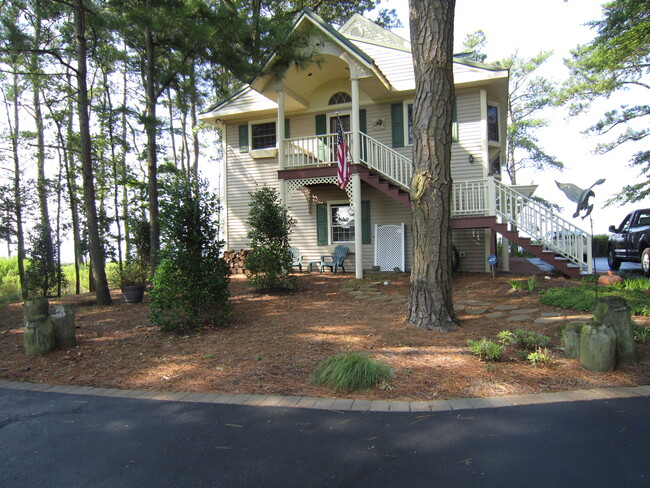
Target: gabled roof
(384, 58)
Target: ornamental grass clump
(351, 371)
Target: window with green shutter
(341, 224)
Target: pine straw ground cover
(273, 343)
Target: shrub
(530, 340)
(190, 285)
(583, 298)
(641, 333)
(486, 349)
(270, 226)
(541, 355)
(351, 371)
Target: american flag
(343, 168)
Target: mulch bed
(274, 342)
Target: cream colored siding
(472, 243)
(470, 138)
(243, 174)
(383, 210)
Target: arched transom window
(340, 97)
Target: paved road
(60, 440)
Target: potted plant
(133, 279)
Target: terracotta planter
(133, 293)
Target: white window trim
(405, 108)
(251, 123)
(330, 204)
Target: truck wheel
(645, 261)
(612, 260)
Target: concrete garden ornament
(580, 196)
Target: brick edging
(344, 403)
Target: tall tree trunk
(95, 246)
(430, 301)
(125, 195)
(18, 200)
(152, 162)
(41, 182)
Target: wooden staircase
(399, 194)
(376, 180)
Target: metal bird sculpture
(580, 196)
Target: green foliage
(641, 334)
(637, 284)
(270, 226)
(190, 286)
(42, 273)
(515, 285)
(541, 356)
(531, 283)
(523, 338)
(616, 60)
(583, 298)
(486, 349)
(351, 371)
(506, 337)
(600, 245)
(133, 273)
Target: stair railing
(542, 225)
(386, 161)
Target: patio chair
(297, 258)
(334, 261)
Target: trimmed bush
(351, 371)
(190, 286)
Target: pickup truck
(630, 241)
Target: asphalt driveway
(63, 440)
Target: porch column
(279, 135)
(354, 121)
(280, 132)
(358, 247)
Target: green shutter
(243, 138)
(363, 128)
(397, 122)
(321, 224)
(365, 222)
(287, 129)
(321, 124)
(454, 121)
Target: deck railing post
(491, 196)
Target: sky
(529, 27)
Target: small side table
(314, 263)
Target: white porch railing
(469, 197)
(387, 161)
(312, 150)
(542, 225)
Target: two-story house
(283, 133)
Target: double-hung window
(263, 135)
(342, 223)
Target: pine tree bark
(18, 199)
(95, 246)
(430, 301)
(152, 157)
